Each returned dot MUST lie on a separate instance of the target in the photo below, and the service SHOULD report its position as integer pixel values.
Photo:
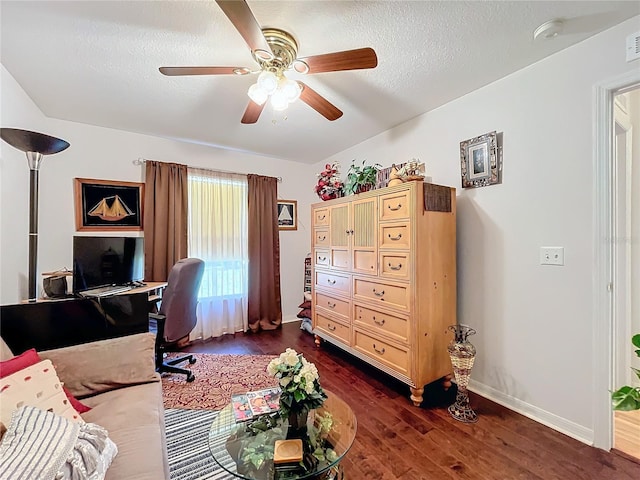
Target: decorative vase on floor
(298, 422)
(462, 354)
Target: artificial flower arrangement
(299, 382)
(329, 184)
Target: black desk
(61, 323)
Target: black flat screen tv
(102, 261)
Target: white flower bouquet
(299, 382)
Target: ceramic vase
(462, 354)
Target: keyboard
(105, 291)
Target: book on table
(253, 404)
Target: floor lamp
(35, 145)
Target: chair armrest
(97, 367)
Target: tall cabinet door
(340, 236)
(364, 236)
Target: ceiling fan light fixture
(279, 100)
(268, 81)
(257, 94)
(291, 89)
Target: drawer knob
(381, 351)
(395, 238)
(331, 305)
(331, 327)
(378, 294)
(321, 217)
(331, 282)
(322, 259)
(379, 322)
(394, 209)
(395, 267)
(322, 238)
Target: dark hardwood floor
(396, 440)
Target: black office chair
(177, 315)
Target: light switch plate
(551, 255)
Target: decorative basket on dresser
(384, 279)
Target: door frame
(604, 267)
(622, 217)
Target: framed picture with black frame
(287, 214)
(108, 205)
(479, 161)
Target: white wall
(103, 153)
(535, 323)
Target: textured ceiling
(96, 62)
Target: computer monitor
(101, 261)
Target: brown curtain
(165, 218)
(265, 306)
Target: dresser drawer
(321, 217)
(322, 258)
(394, 206)
(395, 265)
(365, 261)
(332, 281)
(393, 295)
(332, 328)
(394, 357)
(388, 326)
(340, 258)
(334, 305)
(395, 235)
(320, 237)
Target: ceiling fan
(276, 51)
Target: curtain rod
(141, 161)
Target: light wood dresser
(384, 279)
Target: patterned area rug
(188, 445)
(217, 378)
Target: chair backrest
(180, 298)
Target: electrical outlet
(551, 255)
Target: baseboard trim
(562, 425)
(290, 319)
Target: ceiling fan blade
(240, 15)
(252, 113)
(319, 103)
(347, 60)
(176, 71)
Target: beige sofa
(117, 379)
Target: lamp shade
(28, 141)
(257, 94)
(35, 145)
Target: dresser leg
(416, 395)
(446, 382)
(318, 340)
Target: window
(218, 235)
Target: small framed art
(287, 214)
(104, 205)
(479, 162)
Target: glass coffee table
(245, 449)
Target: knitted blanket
(46, 446)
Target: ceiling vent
(633, 46)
